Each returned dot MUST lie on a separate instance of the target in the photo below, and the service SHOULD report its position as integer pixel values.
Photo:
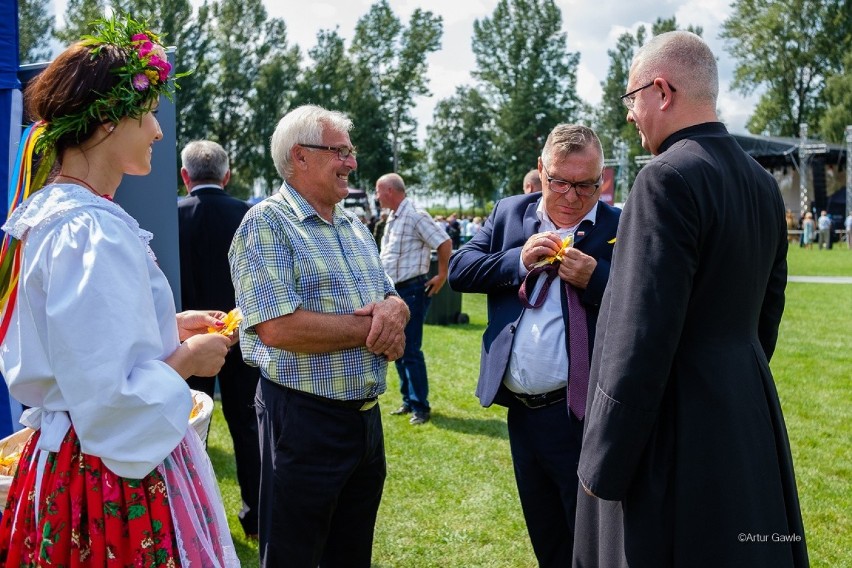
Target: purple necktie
(578, 351)
(578, 335)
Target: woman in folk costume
(113, 475)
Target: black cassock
(685, 443)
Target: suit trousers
(322, 474)
(238, 385)
(545, 444)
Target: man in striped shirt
(407, 243)
(321, 320)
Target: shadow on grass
(491, 427)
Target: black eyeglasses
(343, 152)
(629, 98)
(581, 188)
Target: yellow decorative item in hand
(231, 321)
(567, 242)
(9, 463)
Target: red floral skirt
(85, 516)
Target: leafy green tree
(274, 90)
(35, 28)
(838, 96)
(335, 81)
(789, 48)
(371, 131)
(194, 100)
(529, 78)
(395, 56)
(243, 41)
(460, 145)
(168, 17)
(78, 15)
(327, 81)
(611, 117)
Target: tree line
(488, 134)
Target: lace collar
(57, 199)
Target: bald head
(390, 190)
(684, 60)
(532, 181)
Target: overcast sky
(592, 27)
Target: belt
(360, 404)
(541, 400)
(410, 281)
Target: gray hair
(303, 125)
(567, 139)
(682, 58)
(205, 160)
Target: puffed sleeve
(104, 339)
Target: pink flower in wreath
(141, 81)
(161, 65)
(145, 48)
(139, 37)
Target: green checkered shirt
(285, 256)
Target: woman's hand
(194, 322)
(201, 355)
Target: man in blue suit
(528, 351)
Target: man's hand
(539, 246)
(576, 268)
(387, 328)
(434, 284)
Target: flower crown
(143, 78)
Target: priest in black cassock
(685, 459)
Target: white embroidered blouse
(95, 319)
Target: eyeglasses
(581, 188)
(629, 98)
(343, 152)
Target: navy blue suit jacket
(489, 264)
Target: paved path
(821, 279)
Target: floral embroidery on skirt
(87, 516)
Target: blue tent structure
(10, 131)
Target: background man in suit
(527, 355)
(207, 221)
(685, 445)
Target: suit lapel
(531, 220)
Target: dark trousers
(322, 474)
(545, 444)
(413, 380)
(238, 386)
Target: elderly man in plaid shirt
(407, 243)
(321, 320)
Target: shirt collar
(404, 204)
(303, 209)
(548, 225)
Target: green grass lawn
(816, 262)
(450, 497)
